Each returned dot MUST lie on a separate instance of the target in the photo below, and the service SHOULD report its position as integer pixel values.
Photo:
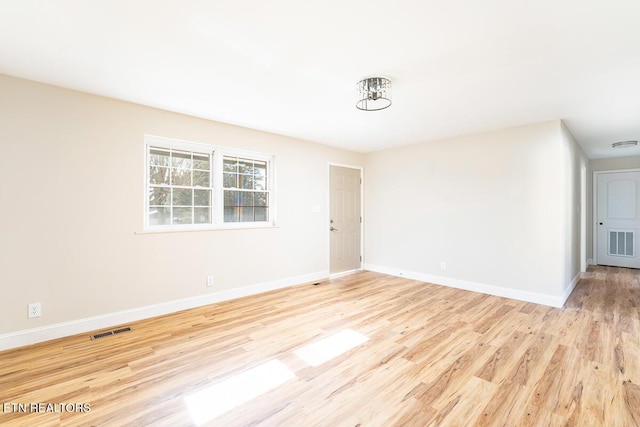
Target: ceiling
(290, 67)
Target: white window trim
(217, 212)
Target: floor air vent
(110, 333)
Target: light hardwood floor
(436, 356)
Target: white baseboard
(590, 261)
(549, 300)
(571, 287)
(59, 330)
(344, 273)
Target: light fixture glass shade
(374, 93)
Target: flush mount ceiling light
(623, 144)
(374, 93)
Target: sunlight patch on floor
(319, 352)
(222, 397)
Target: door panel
(618, 219)
(345, 214)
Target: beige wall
(616, 163)
(498, 208)
(71, 179)
(595, 165)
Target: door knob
(333, 229)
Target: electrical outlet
(35, 310)
(443, 266)
(209, 280)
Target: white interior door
(618, 218)
(345, 219)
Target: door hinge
(360, 220)
(360, 258)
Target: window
(246, 195)
(179, 187)
(195, 186)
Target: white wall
(574, 161)
(496, 207)
(71, 179)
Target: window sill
(226, 227)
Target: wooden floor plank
(434, 356)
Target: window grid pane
(246, 206)
(245, 190)
(179, 187)
(247, 174)
(159, 157)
